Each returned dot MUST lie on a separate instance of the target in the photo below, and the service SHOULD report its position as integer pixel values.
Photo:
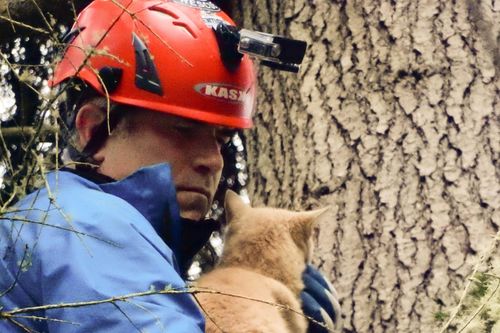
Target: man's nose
(208, 157)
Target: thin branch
(143, 308)
(16, 278)
(24, 328)
(61, 228)
(127, 316)
(10, 16)
(24, 25)
(208, 316)
(196, 290)
(40, 11)
(20, 132)
(167, 291)
(479, 309)
(38, 318)
(4, 58)
(22, 18)
(469, 282)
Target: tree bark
(394, 121)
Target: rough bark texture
(394, 120)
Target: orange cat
(265, 252)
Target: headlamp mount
(274, 51)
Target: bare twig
(12, 133)
(24, 25)
(480, 308)
(197, 290)
(126, 316)
(4, 58)
(166, 291)
(9, 315)
(40, 11)
(24, 328)
(208, 316)
(6, 291)
(481, 260)
(55, 320)
(10, 16)
(60, 228)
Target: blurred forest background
(393, 120)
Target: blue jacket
(75, 240)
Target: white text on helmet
(201, 4)
(223, 92)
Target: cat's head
(268, 238)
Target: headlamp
(274, 51)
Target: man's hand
(319, 301)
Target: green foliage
(481, 283)
(479, 307)
(441, 316)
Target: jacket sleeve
(111, 252)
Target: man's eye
(184, 129)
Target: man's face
(193, 150)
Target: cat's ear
(304, 225)
(320, 214)
(233, 205)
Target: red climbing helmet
(162, 55)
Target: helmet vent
(146, 75)
(185, 26)
(164, 11)
(175, 17)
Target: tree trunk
(393, 120)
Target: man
(148, 83)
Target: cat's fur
(265, 252)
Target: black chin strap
(194, 235)
(100, 134)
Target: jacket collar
(152, 192)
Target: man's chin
(192, 215)
(193, 206)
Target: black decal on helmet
(70, 35)
(146, 76)
(110, 77)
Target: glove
(319, 301)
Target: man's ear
(88, 119)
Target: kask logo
(223, 92)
